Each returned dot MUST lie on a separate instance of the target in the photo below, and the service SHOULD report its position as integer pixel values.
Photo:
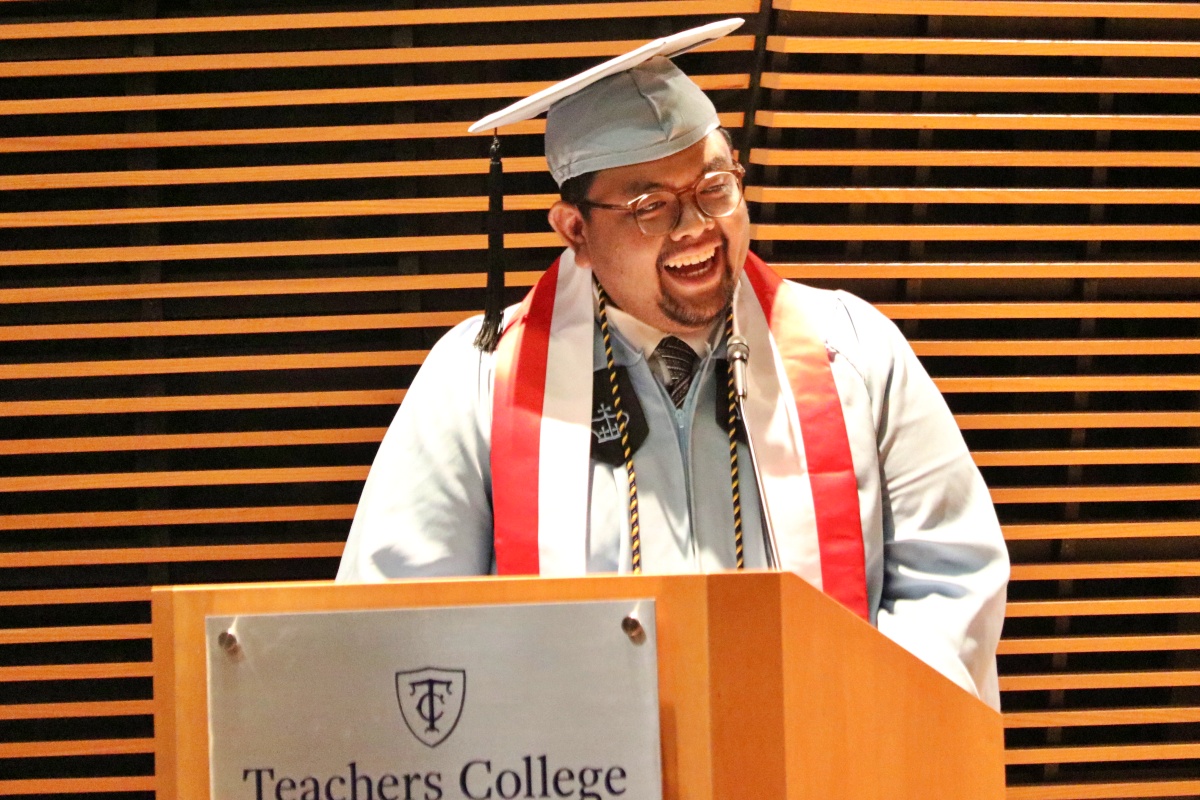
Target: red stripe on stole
(518, 393)
(826, 443)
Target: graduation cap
(634, 108)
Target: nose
(692, 221)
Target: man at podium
(661, 388)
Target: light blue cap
(635, 108)
(642, 114)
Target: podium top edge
(493, 580)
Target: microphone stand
(739, 354)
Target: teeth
(689, 260)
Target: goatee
(702, 312)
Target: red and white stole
(541, 433)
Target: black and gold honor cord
(739, 548)
(635, 528)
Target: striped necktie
(680, 362)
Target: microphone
(739, 353)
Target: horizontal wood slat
(1097, 494)
(1102, 716)
(1039, 310)
(893, 45)
(342, 58)
(163, 555)
(99, 708)
(213, 477)
(1083, 419)
(176, 441)
(175, 516)
(265, 174)
(236, 250)
(1098, 530)
(198, 100)
(252, 136)
(304, 97)
(1099, 644)
(1095, 753)
(226, 213)
(1102, 791)
(258, 325)
(262, 136)
(77, 786)
(792, 194)
(1020, 458)
(76, 672)
(1001, 8)
(978, 233)
(76, 633)
(1103, 607)
(1098, 680)
(165, 366)
(843, 82)
(202, 402)
(1071, 383)
(363, 19)
(1107, 570)
(986, 271)
(83, 747)
(252, 288)
(1057, 347)
(994, 122)
(967, 158)
(46, 597)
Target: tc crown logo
(431, 701)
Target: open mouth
(696, 264)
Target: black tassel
(493, 304)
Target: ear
(568, 222)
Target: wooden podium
(767, 688)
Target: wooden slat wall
(230, 232)
(1015, 183)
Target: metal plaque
(473, 703)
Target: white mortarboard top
(634, 108)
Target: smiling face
(679, 282)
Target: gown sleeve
(946, 566)
(426, 507)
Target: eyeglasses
(717, 194)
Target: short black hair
(575, 191)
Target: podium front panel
(531, 700)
